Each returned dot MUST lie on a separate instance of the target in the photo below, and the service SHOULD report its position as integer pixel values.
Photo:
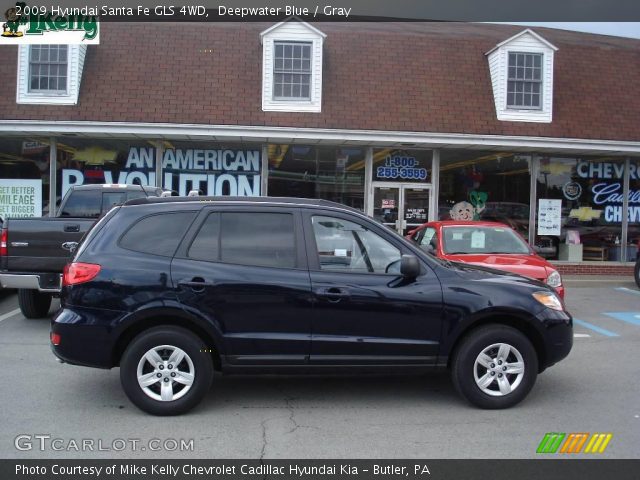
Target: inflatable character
(462, 211)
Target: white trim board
(267, 134)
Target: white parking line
(9, 314)
(581, 335)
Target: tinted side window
(260, 239)
(205, 245)
(349, 247)
(82, 204)
(157, 234)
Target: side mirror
(409, 266)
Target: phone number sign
(398, 167)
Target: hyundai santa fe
(170, 290)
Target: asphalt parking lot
(596, 389)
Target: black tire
(464, 369)
(195, 350)
(636, 271)
(34, 304)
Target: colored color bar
(569, 443)
(596, 445)
(581, 442)
(591, 442)
(606, 441)
(550, 442)
(542, 448)
(557, 442)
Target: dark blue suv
(172, 289)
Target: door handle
(196, 284)
(334, 294)
(72, 228)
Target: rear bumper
(44, 282)
(86, 337)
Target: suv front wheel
(165, 371)
(494, 367)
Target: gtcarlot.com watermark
(44, 442)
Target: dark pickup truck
(34, 251)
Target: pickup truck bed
(34, 251)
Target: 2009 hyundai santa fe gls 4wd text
(172, 289)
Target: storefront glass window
(24, 177)
(330, 173)
(580, 206)
(481, 185)
(210, 168)
(633, 232)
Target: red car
(489, 244)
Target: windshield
(478, 240)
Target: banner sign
(20, 198)
(211, 171)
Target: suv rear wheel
(495, 367)
(164, 371)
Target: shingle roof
(425, 77)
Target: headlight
(549, 300)
(554, 280)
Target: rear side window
(157, 234)
(247, 238)
(260, 239)
(205, 245)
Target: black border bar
(545, 468)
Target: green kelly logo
(38, 22)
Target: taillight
(3, 243)
(55, 338)
(78, 272)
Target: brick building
(538, 128)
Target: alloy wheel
(498, 369)
(165, 373)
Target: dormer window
(521, 71)
(48, 65)
(292, 71)
(524, 87)
(292, 67)
(49, 74)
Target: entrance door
(401, 207)
(415, 207)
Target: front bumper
(557, 329)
